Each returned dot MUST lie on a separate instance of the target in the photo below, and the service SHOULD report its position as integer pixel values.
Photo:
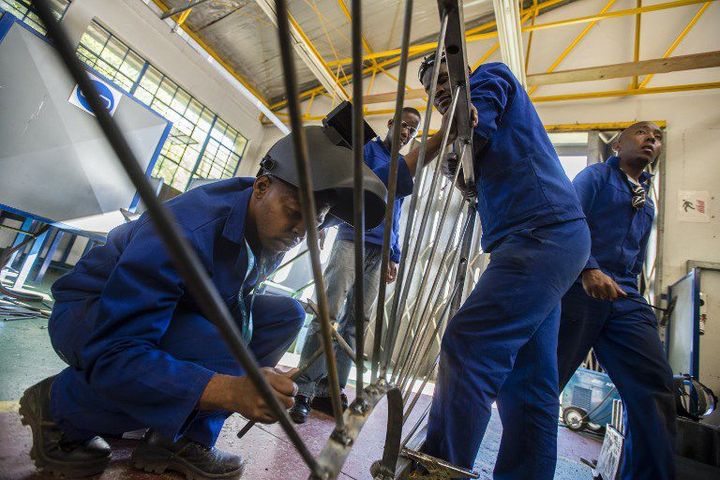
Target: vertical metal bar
(185, 259)
(416, 397)
(425, 322)
(463, 262)
(416, 188)
(441, 318)
(308, 203)
(358, 210)
(433, 252)
(678, 39)
(423, 224)
(392, 189)
(416, 426)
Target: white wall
(693, 122)
(137, 25)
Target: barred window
(200, 144)
(102, 51)
(24, 11)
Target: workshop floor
(26, 357)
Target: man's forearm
(218, 393)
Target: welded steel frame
(348, 425)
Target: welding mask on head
(331, 167)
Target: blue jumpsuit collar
(614, 161)
(234, 229)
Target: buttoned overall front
(623, 333)
(501, 344)
(139, 349)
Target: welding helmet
(331, 167)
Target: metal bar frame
(184, 257)
(348, 425)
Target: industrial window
(200, 144)
(106, 54)
(25, 12)
(223, 152)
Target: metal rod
(358, 210)
(295, 376)
(175, 11)
(420, 321)
(438, 298)
(392, 190)
(433, 251)
(184, 257)
(416, 426)
(415, 399)
(292, 260)
(307, 201)
(421, 231)
(461, 272)
(436, 332)
(393, 320)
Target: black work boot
(51, 450)
(156, 454)
(300, 411)
(324, 404)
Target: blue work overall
(140, 351)
(623, 333)
(501, 344)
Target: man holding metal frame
(313, 390)
(501, 345)
(140, 352)
(604, 310)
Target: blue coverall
(623, 333)
(139, 349)
(501, 344)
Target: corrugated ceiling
(241, 33)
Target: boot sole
(158, 460)
(30, 416)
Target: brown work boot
(51, 451)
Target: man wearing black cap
(140, 352)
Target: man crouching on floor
(140, 352)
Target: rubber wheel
(574, 418)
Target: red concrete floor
(271, 456)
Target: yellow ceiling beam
(589, 74)
(574, 43)
(679, 39)
(615, 14)
(567, 97)
(584, 127)
(472, 37)
(626, 93)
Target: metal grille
(398, 360)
